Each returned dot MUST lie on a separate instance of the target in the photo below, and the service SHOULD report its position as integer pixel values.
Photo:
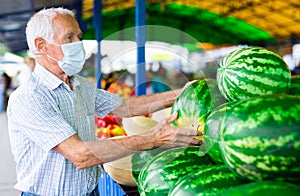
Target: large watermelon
(140, 159)
(166, 168)
(251, 72)
(295, 85)
(211, 132)
(213, 124)
(196, 102)
(260, 138)
(210, 180)
(264, 188)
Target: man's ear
(40, 45)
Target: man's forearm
(115, 148)
(141, 105)
(86, 154)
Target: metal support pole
(97, 23)
(140, 34)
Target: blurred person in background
(51, 116)
(5, 81)
(158, 80)
(2, 93)
(23, 75)
(30, 62)
(28, 69)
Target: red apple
(116, 120)
(103, 122)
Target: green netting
(182, 24)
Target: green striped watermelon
(211, 132)
(260, 138)
(166, 168)
(210, 180)
(196, 102)
(251, 72)
(140, 159)
(295, 85)
(272, 188)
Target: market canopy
(189, 24)
(215, 21)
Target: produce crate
(108, 187)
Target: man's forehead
(66, 24)
(64, 19)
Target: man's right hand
(166, 135)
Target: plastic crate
(108, 187)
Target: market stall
(228, 27)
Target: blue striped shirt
(41, 114)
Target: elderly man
(51, 116)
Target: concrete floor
(7, 164)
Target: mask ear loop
(53, 44)
(52, 58)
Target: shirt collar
(52, 81)
(48, 78)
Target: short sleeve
(106, 102)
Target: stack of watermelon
(159, 175)
(250, 120)
(258, 129)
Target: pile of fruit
(109, 126)
(250, 120)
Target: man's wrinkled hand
(167, 135)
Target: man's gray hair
(41, 25)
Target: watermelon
(195, 103)
(210, 180)
(140, 159)
(260, 138)
(211, 133)
(252, 71)
(264, 188)
(166, 168)
(295, 85)
(211, 130)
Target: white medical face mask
(74, 57)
